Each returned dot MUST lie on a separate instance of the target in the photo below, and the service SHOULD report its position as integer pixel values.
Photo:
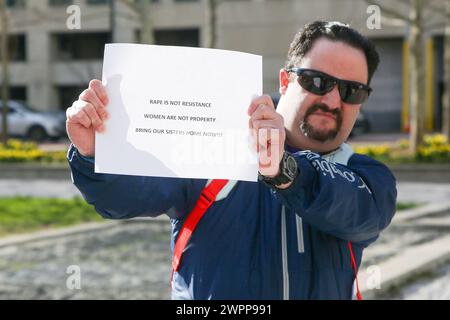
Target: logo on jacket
(327, 168)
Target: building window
(17, 47)
(79, 46)
(103, 2)
(18, 93)
(59, 3)
(66, 95)
(97, 2)
(15, 3)
(178, 37)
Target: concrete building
(52, 63)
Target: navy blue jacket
(257, 242)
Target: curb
(422, 211)
(398, 270)
(395, 272)
(420, 172)
(90, 227)
(28, 171)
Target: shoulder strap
(355, 269)
(206, 199)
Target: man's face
(315, 122)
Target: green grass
(406, 205)
(25, 214)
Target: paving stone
(130, 262)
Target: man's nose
(332, 99)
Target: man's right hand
(86, 116)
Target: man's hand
(267, 129)
(86, 116)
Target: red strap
(355, 268)
(206, 199)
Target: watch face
(288, 172)
(291, 165)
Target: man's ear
(284, 81)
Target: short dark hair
(335, 31)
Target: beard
(321, 135)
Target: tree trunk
(417, 75)
(112, 19)
(446, 95)
(5, 72)
(211, 21)
(144, 11)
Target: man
(287, 236)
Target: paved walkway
(423, 192)
(434, 286)
(128, 261)
(377, 138)
(407, 191)
(38, 188)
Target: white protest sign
(178, 112)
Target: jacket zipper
(284, 255)
(300, 243)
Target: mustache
(324, 108)
(308, 130)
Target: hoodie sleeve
(123, 197)
(354, 202)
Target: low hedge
(18, 151)
(436, 149)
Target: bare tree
(418, 27)
(417, 74)
(446, 95)
(211, 20)
(145, 16)
(5, 72)
(112, 19)
(142, 9)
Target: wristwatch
(288, 172)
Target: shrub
(15, 150)
(436, 148)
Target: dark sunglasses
(320, 83)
